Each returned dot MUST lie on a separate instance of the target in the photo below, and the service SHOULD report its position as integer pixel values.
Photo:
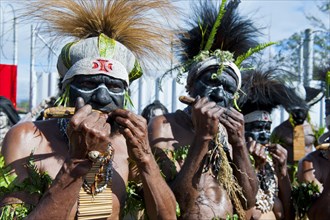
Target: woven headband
(98, 55)
(257, 116)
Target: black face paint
(258, 131)
(102, 92)
(219, 89)
(299, 115)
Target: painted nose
(263, 137)
(102, 96)
(218, 95)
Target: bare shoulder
(161, 126)
(160, 131)
(15, 144)
(307, 166)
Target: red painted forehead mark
(102, 65)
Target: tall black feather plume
(265, 90)
(236, 33)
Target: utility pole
(308, 57)
(301, 61)
(33, 78)
(2, 17)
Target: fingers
(79, 103)
(89, 123)
(251, 144)
(136, 124)
(278, 153)
(231, 116)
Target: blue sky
(281, 18)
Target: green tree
(288, 49)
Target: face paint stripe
(99, 87)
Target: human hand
(280, 156)
(134, 129)
(205, 117)
(233, 121)
(87, 131)
(258, 152)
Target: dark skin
(88, 130)
(282, 206)
(284, 133)
(315, 168)
(199, 194)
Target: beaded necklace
(91, 201)
(267, 187)
(63, 125)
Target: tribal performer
(314, 177)
(264, 91)
(153, 109)
(8, 117)
(295, 134)
(78, 167)
(201, 150)
(314, 168)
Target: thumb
(249, 139)
(79, 103)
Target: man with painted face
(264, 91)
(8, 117)
(154, 109)
(79, 167)
(314, 168)
(201, 150)
(295, 134)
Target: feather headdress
(235, 33)
(218, 36)
(264, 91)
(120, 30)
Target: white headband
(94, 66)
(257, 116)
(198, 68)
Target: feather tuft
(129, 22)
(236, 33)
(265, 90)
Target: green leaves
(127, 101)
(7, 178)
(251, 51)
(303, 196)
(63, 100)
(215, 27)
(134, 201)
(36, 183)
(181, 153)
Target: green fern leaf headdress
(217, 36)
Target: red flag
(8, 82)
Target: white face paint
(4, 125)
(4, 120)
(88, 92)
(157, 112)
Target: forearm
(284, 194)
(245, 175)
(159, 198)
(185, 184)
(59, 199)
(190, 173)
